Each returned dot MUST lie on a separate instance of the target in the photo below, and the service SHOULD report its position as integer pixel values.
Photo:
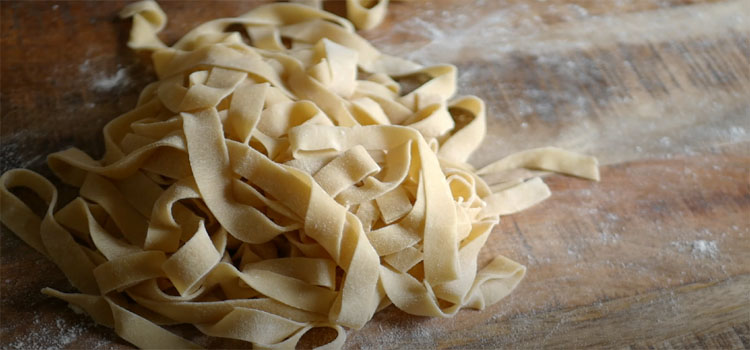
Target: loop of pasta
(258, 191)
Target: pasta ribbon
(261, 189)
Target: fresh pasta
(278, 180)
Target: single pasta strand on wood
(259, 190)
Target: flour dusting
(48, 336)
(703, 248)
(109, 83)
(699, 249)
(609, 238)
(15, 155)
(575, 80)
(85, 66)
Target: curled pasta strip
(259, 190)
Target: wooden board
(656, 255)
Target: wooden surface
(656, 255)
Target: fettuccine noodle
(260, 189)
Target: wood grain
(656, 255)
(661, 319)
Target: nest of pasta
(277, 180)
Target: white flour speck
(84, 67)
(703, 249)
(737, 131)
(609, 238)
(666, 141)
(612, 217)
(108, 83)
(700, 249)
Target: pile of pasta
(277, 179)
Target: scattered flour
(665, 141)
(700, 249)
(412, 333)
(100, 81)
(573, 252)
(108, 83)
(53, 336)
(703, 248)
(736, 133)
(15, 155)
(609, 238)
(473, 34)
(568, 76)
(84, 67)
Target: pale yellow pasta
(259, 191)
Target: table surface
(656, 255)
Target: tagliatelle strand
(261, 189)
